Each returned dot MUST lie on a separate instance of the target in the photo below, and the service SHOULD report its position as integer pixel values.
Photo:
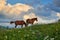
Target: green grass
(35, 32)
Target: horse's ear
(35, 17)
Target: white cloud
(58, 14)
(2, 4)
(13, 11)
(29, 16)
(45, 21)
(16, 9)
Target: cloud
(43, 10)
(58, 14)
(57, 2)
(45, 21)
(12, 11)
(54, 7)
(2, 4)
(16, 10)
(29, 16)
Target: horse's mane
(34, 18)
(12, 21)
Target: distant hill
(35, 32)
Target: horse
(31, 21)
(18, 22)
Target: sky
(30, 2)
(47, 11)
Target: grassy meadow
(35, 32)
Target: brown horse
(31, 21)
(21, 22)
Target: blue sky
(30, 2)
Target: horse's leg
(32, 23)
(15, 26)
(21, 26)
(27, 24)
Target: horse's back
(19, 22)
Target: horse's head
(11, 22)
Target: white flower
(24, 35)
(19, 31)
(13, 34)
(52, 39)
(6, 37)
(33, 32)
(27, 34)
(21, 38)
(46, 38)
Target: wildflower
(52, 39)
(6, 37)
(22, 39)
(19, 31)
(13, 34)
(27, 34)
(33, 32)
(24, 35)
(46, 38)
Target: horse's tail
(12, 22)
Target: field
(35, 32)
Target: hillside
(35, 32)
